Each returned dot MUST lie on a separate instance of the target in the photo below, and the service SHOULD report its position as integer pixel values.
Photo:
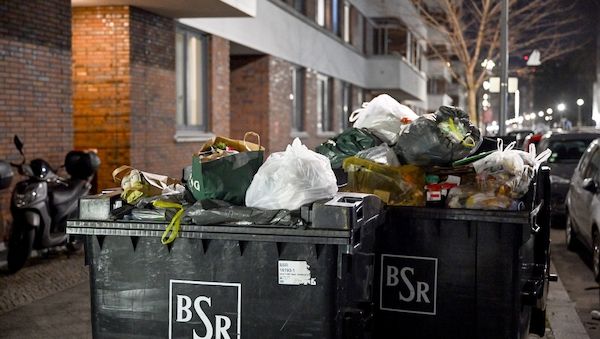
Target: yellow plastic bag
(394, 185)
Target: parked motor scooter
(42, 203)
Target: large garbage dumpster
(227, 281)
(404, 271)
(447, 273)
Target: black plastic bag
(347, 144)
(438, 139)
(218, 212)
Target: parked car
(567, 149)
(531, 139)
(583, 205)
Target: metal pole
(503, 68)
(578, 116)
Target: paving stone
(41, 278)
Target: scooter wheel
(20, 245)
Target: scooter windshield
(41, 169)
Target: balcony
(401, 9)
(395, 75)
(436, 68)
(182, 8)
(434, 101)
(294, 38)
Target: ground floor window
(298, 98)
(347, 106)
(191, 69)
(324, 100)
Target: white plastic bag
(290, 179)
(384, 116)
(510, 167)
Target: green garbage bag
(225, 177)
(347, 144)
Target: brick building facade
(35, 83)
(124, 90)
(109, 78)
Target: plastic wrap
(381, 154)
(398, 186)
(214, 212)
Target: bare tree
(472, 30)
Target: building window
(335, 17)
(416, 52)
(320, 18)
(324, 99)
(360, 96)
(300, 6)
(436, 86)
(191, 79)
(347, 23)
(347, 106)
(298, 97)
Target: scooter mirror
(18, 144)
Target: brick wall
(219, 86)
(125, 99)
(260, 89)
(101, 83)
(153, 110)
(35, 83)
(249, 96)
(280, 106)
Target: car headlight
(555, 179)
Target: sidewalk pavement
(51, 299)
(561, 313)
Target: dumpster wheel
(537, 324)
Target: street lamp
(561, 107)
(549, 111)
(579, 104)
(488, 64)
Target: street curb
(561, 313)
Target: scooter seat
(64, 194)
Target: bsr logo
(419, 290)
(186, 309)
(408, 284)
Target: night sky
(572, 76)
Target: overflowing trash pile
(391, 152)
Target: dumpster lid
(225, 232)
(501, 216)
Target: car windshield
(567, 150)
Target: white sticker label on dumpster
(295, 273)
